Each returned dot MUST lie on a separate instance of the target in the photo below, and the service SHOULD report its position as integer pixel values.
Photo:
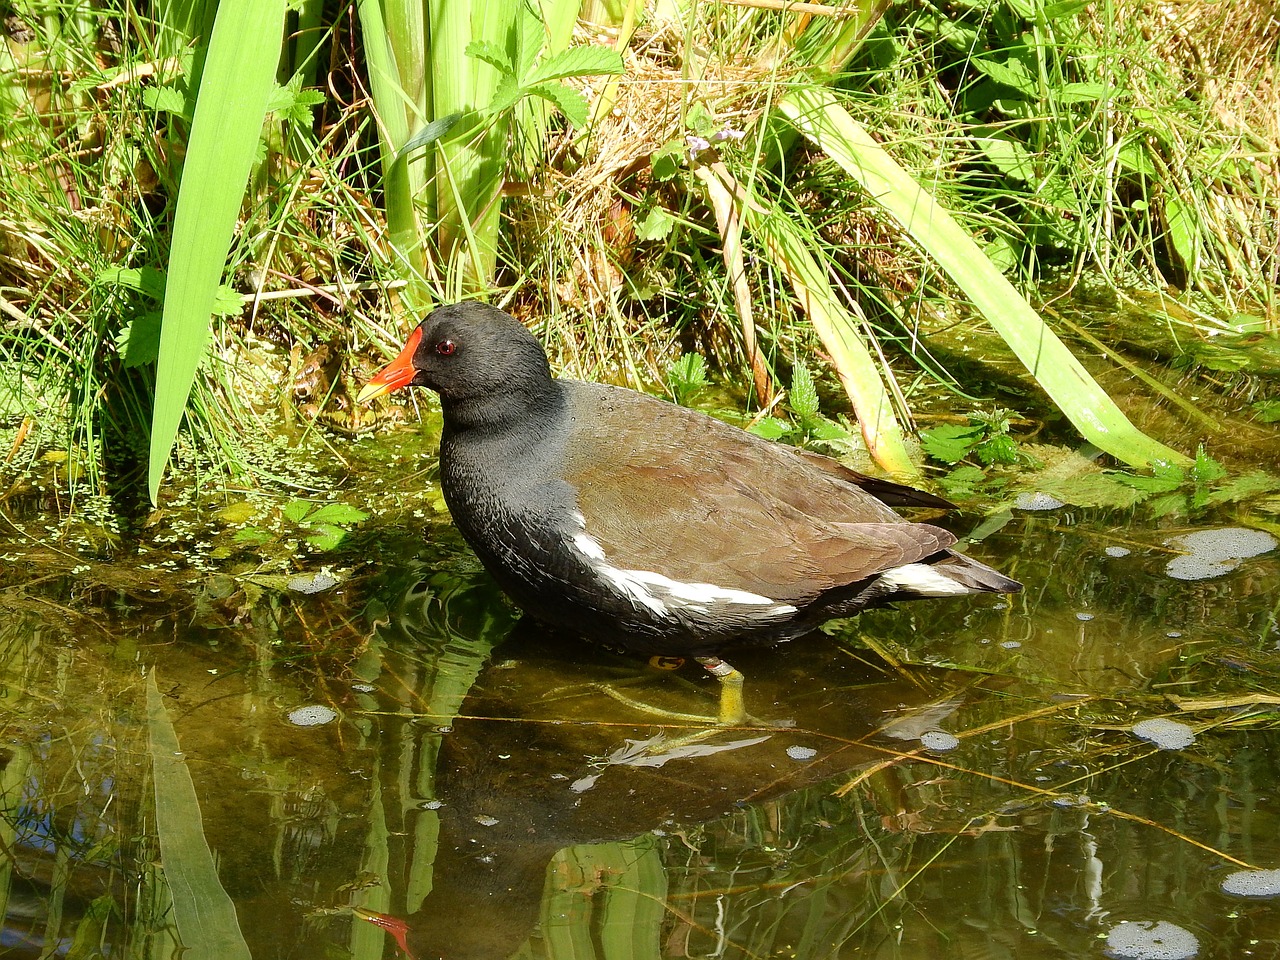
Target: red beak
(396, 374)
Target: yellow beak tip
(369, 391)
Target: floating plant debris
(1212, 553)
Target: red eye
(446, 347)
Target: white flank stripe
(657, 592)
(923, 579)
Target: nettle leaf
(571, 103)
(998, 449)
(1268, 411)
(1206, 469)
(492, 54)
(577, 62)
(803, 399)
(1245, 487)
(950, 442)
(1073, 478)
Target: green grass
(1062, 141)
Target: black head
(465, 351)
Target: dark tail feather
(976, 576)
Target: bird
(652, 528)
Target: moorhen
(650, 527)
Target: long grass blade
(818, 115)
(788, 247)
(238, 77)
(204, 914)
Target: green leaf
(296, 511)
(586, 61)
(491, 54)
(1245, 487)
(819, 116)
(1083, 92)
(506, 94)
(667, 160)
(148, 280)
(227, 302)
(237, 80)
(1008, 156)
(571, 103)
(1206, 469)
(202, 911)
(1267, 411)
(165, 99)
(340, 513)
(139, 342)
(1011, 73)
(1180, 223)
(998, 449)
(1134, 158)
(771, 428)
(1063, 9)
(950, 442)
(326, 536)
(803, 399)
(655, 225)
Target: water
(478, 783)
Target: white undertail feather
(922, 579)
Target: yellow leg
(733, 705)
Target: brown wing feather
(751, 516)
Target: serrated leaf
(295, 510)
(1206, 469)
(340, 513)
(950, 442)
(1168, 505)
(571, 103)
(1098, 489)
(771, 428)
(492, 54)
(139, 342)
(326, 536)
(655, 225)
(227, 302)
(667, 160)
(1245, 487)
(586, 61)
(506, 94)
(998, 449)
(1267, 411)
(165, 99)
(803, 398)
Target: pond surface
(485, 790)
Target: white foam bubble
(1151, 940)
(939, 740)
(1252, 883)
(1165, 733)
(312, 715)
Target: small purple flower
(728, 133)
(697, 144)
